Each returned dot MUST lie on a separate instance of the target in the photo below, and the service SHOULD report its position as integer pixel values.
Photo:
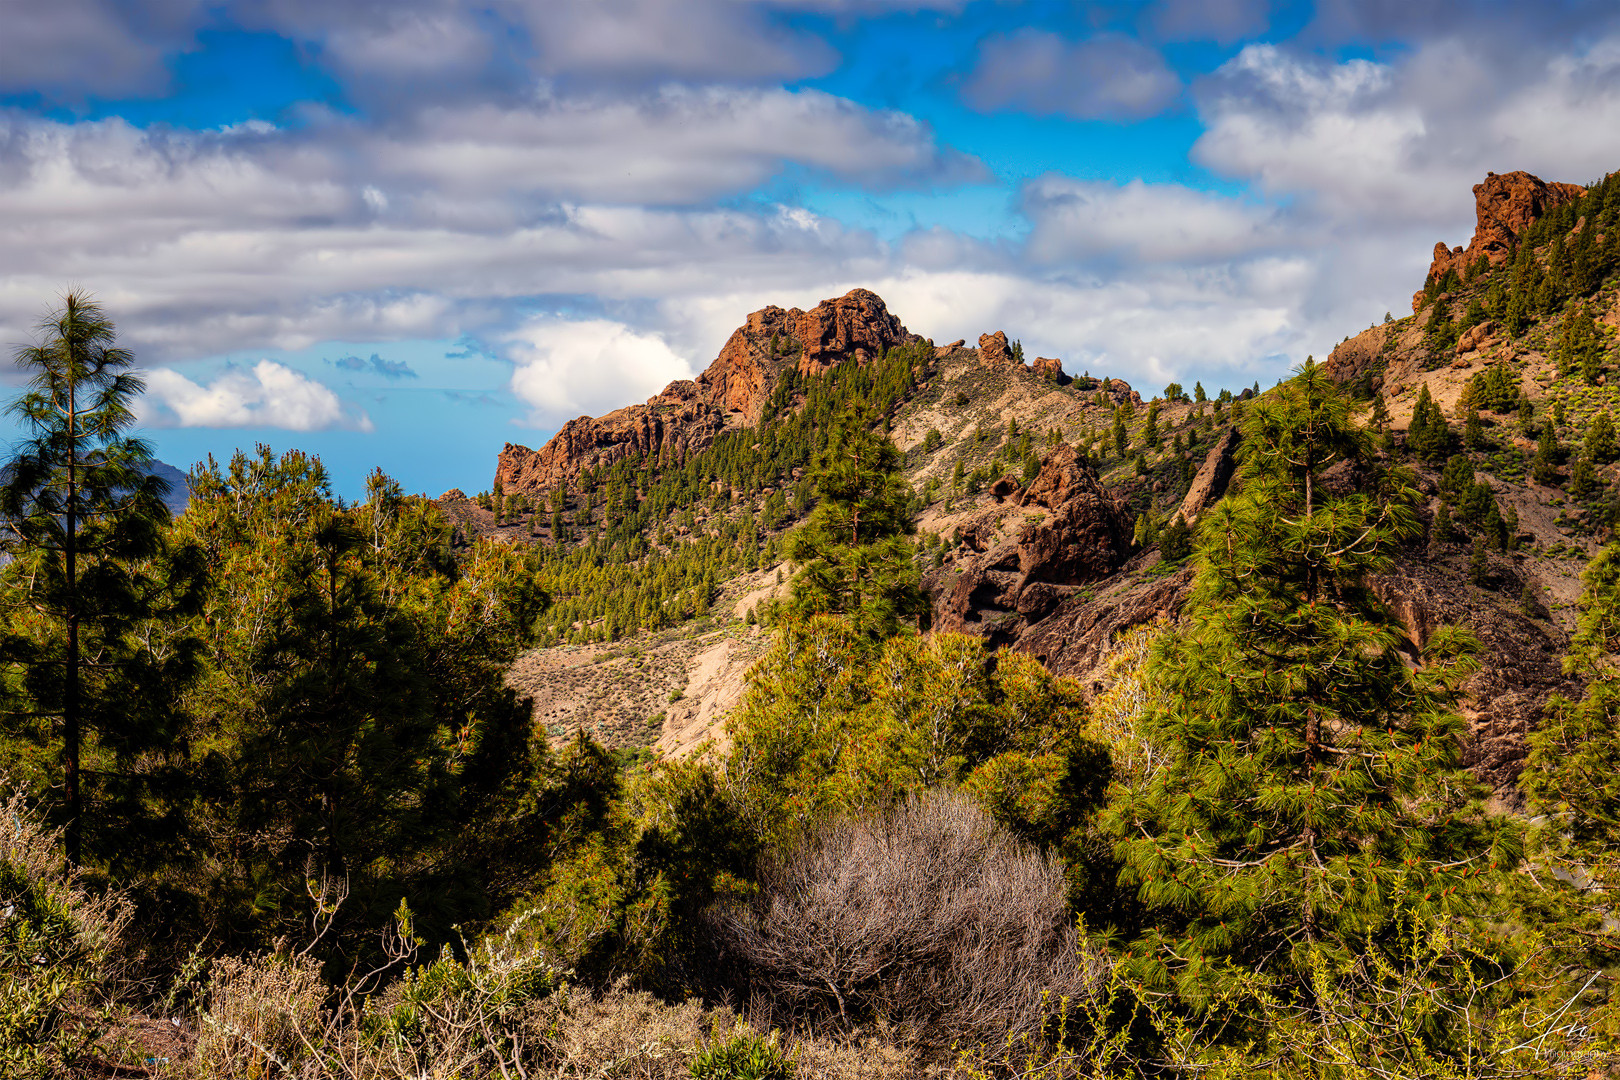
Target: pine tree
(1571, 778)
(1473, 430)
(853, 551)
(1120, 436)
(1311, 795)
(1600, 444)
(1544, 470)
(1429, 436)
(84, 524)
(1150, 428)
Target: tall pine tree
(854, 552)
(1312, 793)
(84, 522)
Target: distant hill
(179, 496)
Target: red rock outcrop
(1048, 368)
(999, 588)
(687, 416)
(1504, 207)
(994, 352)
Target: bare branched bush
(928, 915)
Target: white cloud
(677, 146)
(1144, 223)
(1109, 76)
(566, 367)
(268, 395)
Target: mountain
(179, 496)
(1041, 495)
(685, 418)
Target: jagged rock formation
(687, 416)
(1209, 484)
(1013, 581)
(1504, 207)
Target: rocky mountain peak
(685, 418)
(1504, 207)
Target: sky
(402, 234)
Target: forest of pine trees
(265, 779)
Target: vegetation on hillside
(314, 827)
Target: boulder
(1001, 586)
(1048, 368)
(995, 353)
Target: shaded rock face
(1520, 662)
(1504, 207)
(685, 418)
(1210, 483)
(1075, 640)
(1003, 585)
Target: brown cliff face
(687, 416)
(1504, 207)
(1007, 584)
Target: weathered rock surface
(1048, 368)
(1002, 584)
(1076, 637)
(685, 418)
(1504, 207)
(1210, 482)
(1521, 659)
(994, 352)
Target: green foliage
(832, 722)
(59, 943)
(1311, 789)
(352, 720)
(1428, 436)
(854, 552)
(1548, 454)
(744, 1055)
(1572, 772)
(1175, 541)
(1150, 428)
(91, 573)
(1600, 443)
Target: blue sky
(401, 235)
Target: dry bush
(928, 915)
(60, 950)
(261, 1018)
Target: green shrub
(746, 1055)
(58, 946)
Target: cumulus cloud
(1403, 142)
(76, 48)
(267, 395)
(566, 367)
(1109, 76)
(676, 146)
